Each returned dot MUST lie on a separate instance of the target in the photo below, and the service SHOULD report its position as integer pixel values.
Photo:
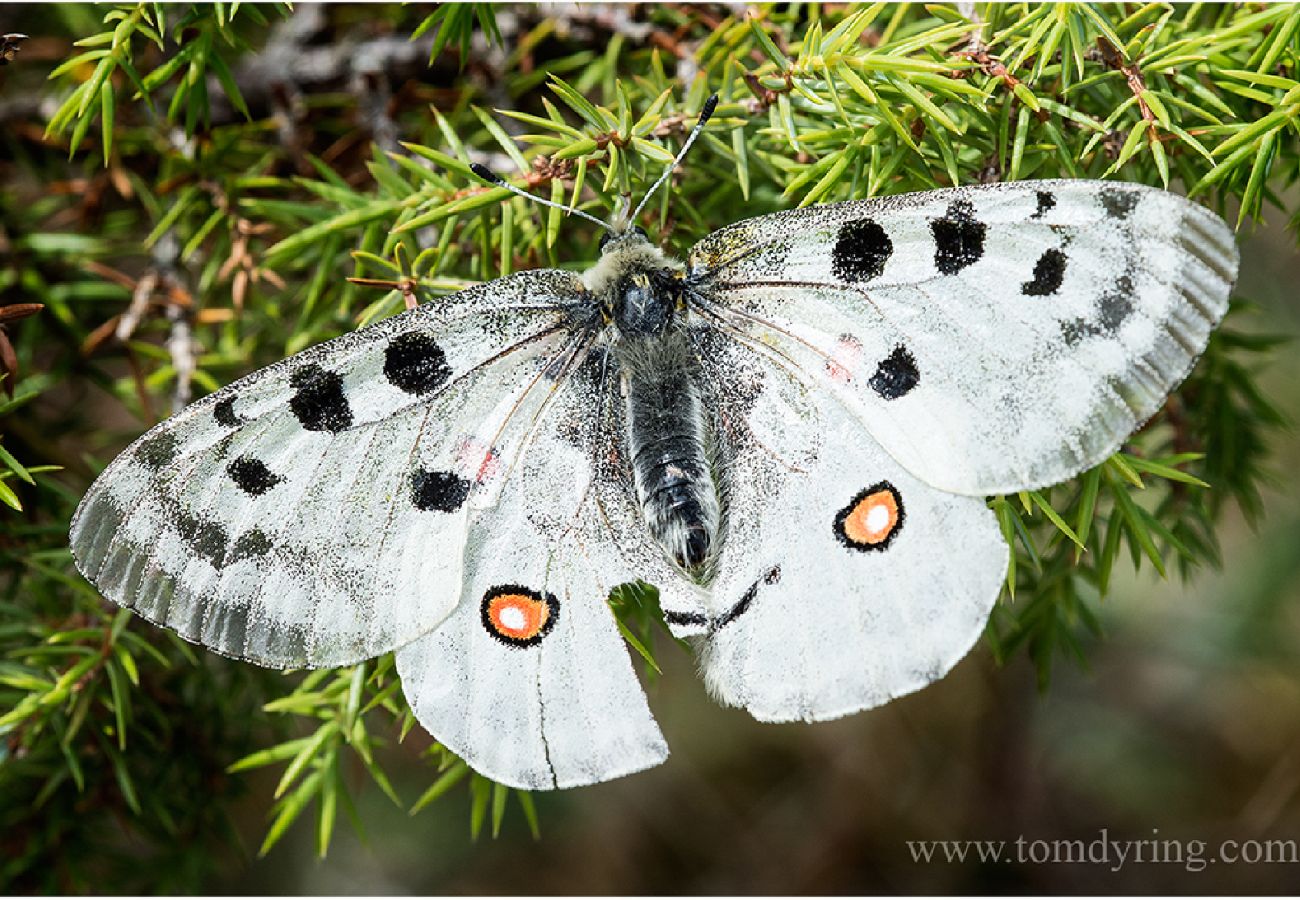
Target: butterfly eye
(605, 239)
(640, 232)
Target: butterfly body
(791, 434)
(641, 293)
(669, 441)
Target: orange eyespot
(871, 519)
(519, 616)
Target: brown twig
(1111, 55)
(989, 64)
(764, 97)
(14, 312)
(142, 392)
(158, 289)
(407, 286)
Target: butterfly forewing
(314, 512)
(992, 338)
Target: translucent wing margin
(314, 513)
(992, 338)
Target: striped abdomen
(668, 439)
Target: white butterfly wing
(992, 338)
(528, 680)
(314, 512)
(844, 580)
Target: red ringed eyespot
(872, 518)
(519, 616)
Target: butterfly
(791, 433)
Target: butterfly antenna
(709, 106)
(494, 179)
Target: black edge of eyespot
(552, 602)
(842, 516)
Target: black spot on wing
(250, 545)
(680, 618)
(958, 238)
(1118, 203)
(1049, 272)
(252, 476)
(1046, 203)
(157, 450)
(1116, 304)
(438, 491)
(205, 538)
(1113, 310)
(896, 375)
(415, 363)
(224, 413)
(1075, 330)
(318, 400)
(861, 250)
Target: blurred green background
(1184, 724)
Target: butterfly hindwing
(314, 512)
(528, 680)
(844, 581)
(991, 338)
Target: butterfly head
(637, 286)
(616, 242)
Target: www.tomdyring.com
(1192, 855)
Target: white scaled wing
(844, 581)
(529, 680)
(314, 513)
(991, 338)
